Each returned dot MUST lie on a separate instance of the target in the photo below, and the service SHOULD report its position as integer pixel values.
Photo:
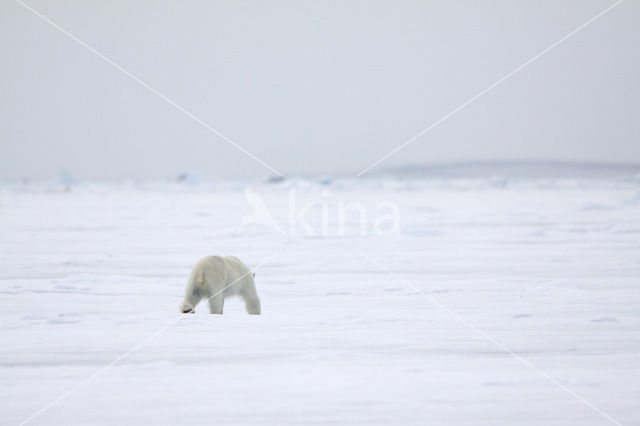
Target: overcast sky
(312, 87)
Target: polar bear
(215, 278)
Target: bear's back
(219, 268)
(236, 266)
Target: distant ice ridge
(500, 174)
(520, 170)
(481, 174)
(461, 175)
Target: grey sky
(312, 87)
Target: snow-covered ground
(497, 302)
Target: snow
(547, 268)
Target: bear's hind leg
(251, 300)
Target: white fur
(215, 278)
